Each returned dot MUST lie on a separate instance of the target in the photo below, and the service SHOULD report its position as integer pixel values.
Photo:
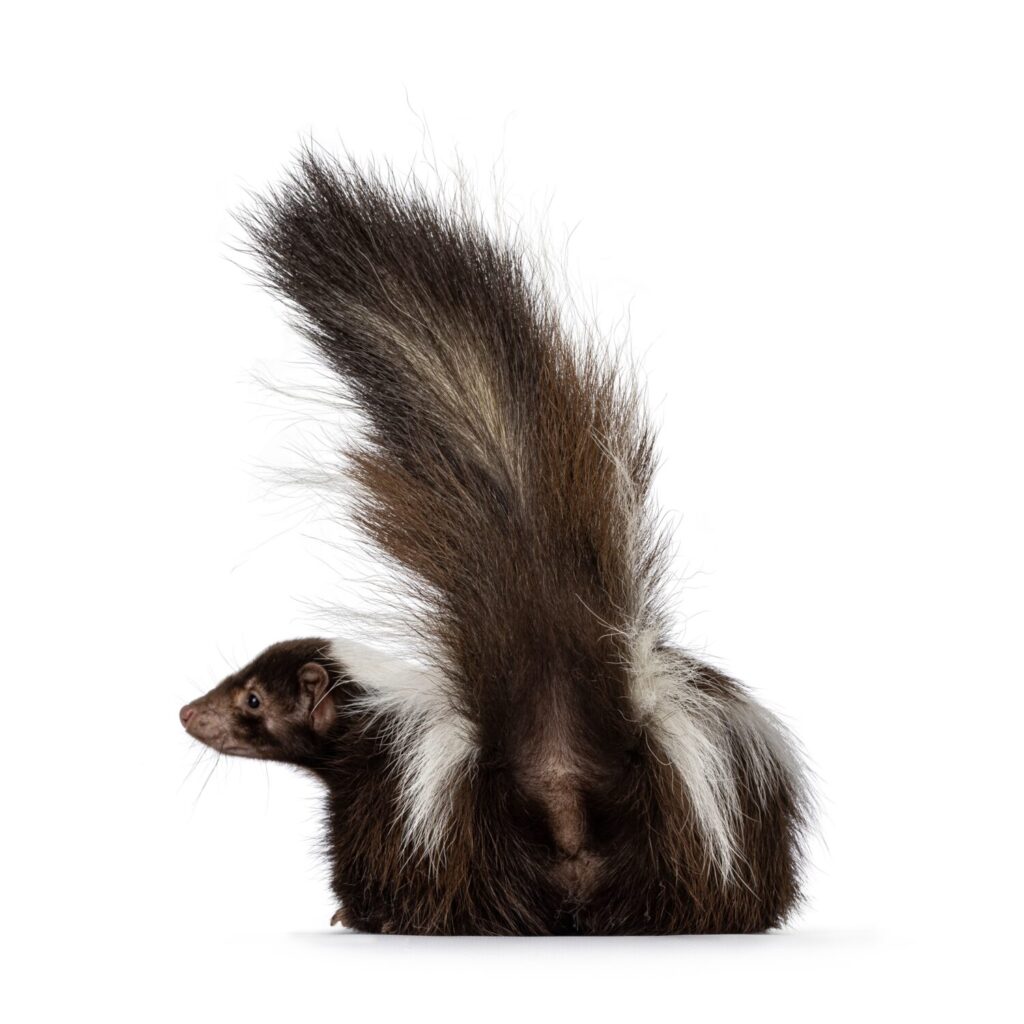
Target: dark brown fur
(505, 468)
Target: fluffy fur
(556, 765)
(430, 738)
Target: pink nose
(186, 713)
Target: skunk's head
(280, 707)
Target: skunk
(553, 764)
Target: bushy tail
(504, 465)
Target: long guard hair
(556, 765)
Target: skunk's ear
(316, 685)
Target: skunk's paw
(373, 925)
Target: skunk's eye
(253, 701)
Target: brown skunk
(554, 764)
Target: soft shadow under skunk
(554, 765)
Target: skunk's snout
(208, 719)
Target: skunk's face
(279, 707)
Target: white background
(811, 216)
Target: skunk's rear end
(556, 765)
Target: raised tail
(504, 466)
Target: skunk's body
(557, 766)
